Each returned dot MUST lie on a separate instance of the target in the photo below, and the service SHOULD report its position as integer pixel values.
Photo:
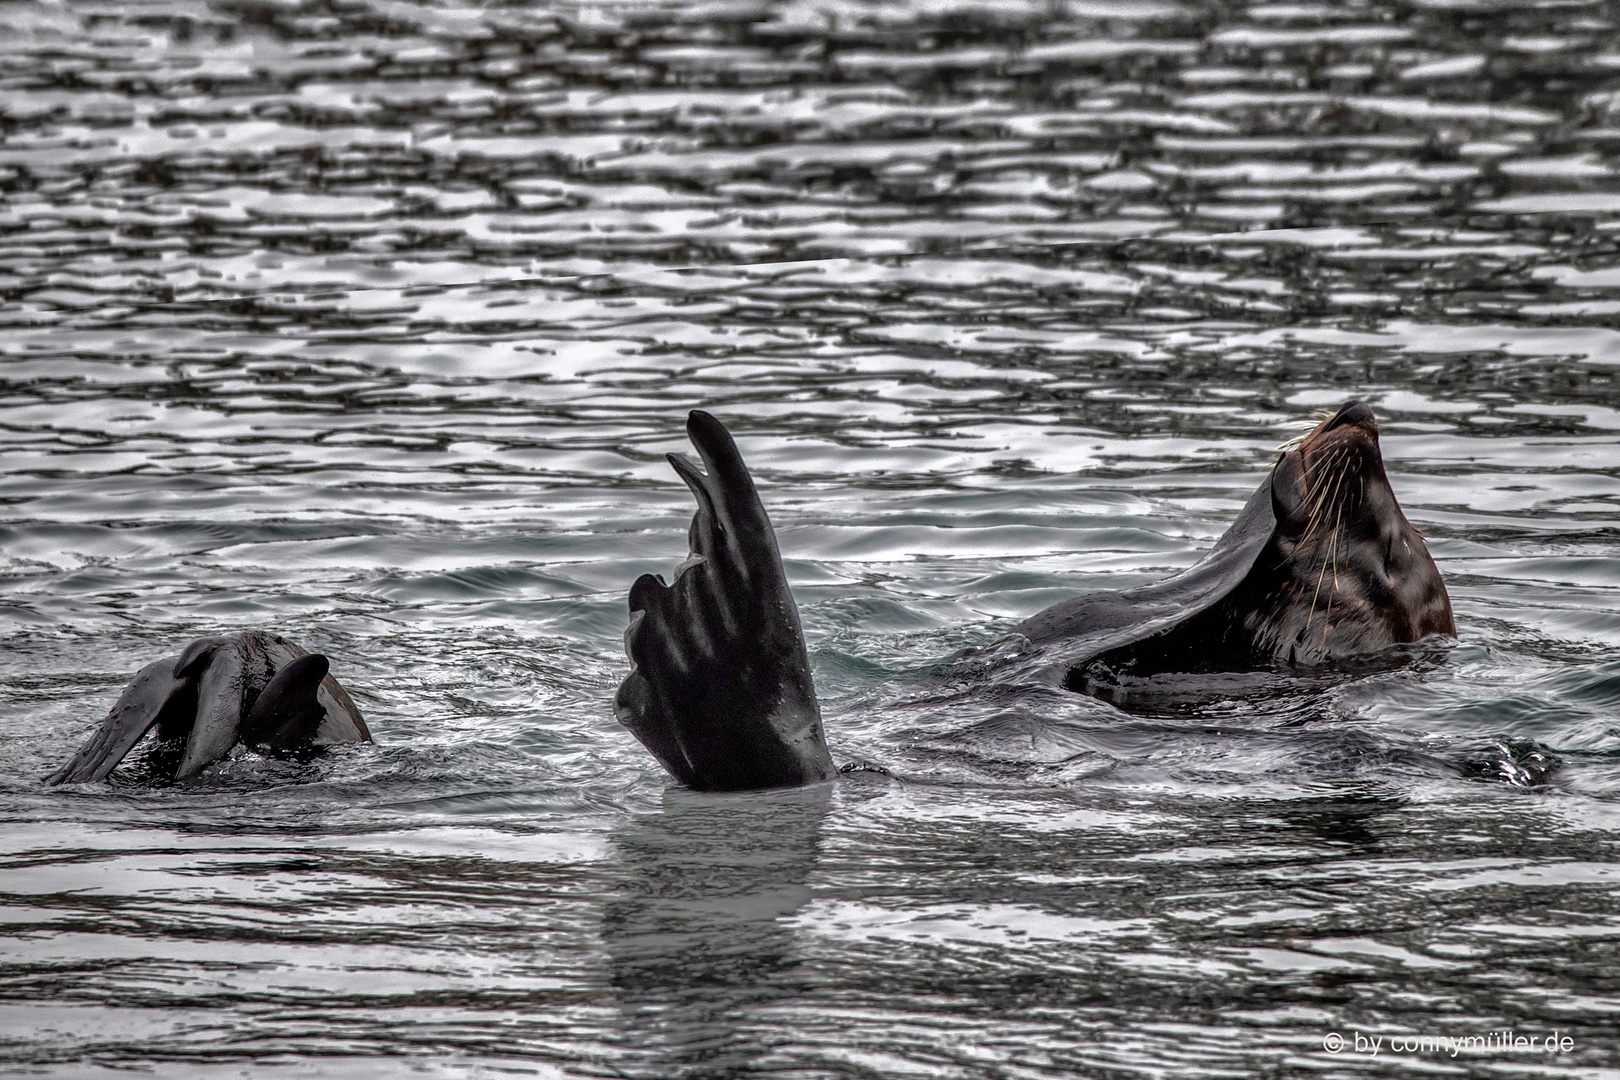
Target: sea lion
(254, 688)
(1320, 567)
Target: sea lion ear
(1287, 488)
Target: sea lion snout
(1357, 413)
(1309, 477)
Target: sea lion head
(1346, 573)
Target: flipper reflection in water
(1320, 567)
(698, 927)
(254, 688)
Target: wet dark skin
(1330, 570)
(254, 688)
(719, 688)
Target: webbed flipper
(288, 711)
(202, 696)
(342, 722)
(220, 691)
(720, 688)
(156, 695)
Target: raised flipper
(719, 688)
(231, 669)
(342, 722)
(288, 711)
(155, 696)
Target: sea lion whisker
(1329, 562)
(1326, 470)
(1309, 424)
(1329, 498)
(1333, 553)
(1317, 492)
(1322, 494)
(1311, 614)
(1321, 573)
(1327, 614)
(1341, 465)
(1340, 491)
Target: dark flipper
(343, 722)
(719, 688)
(156, 696)
(220, 690)
(288, 711)
(199, 696)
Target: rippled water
(370, 322)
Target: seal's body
(1320, 566)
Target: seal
(254, 688)
(1320, 568)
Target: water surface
(371, 322)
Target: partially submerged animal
(1321, 566)
(253, 688)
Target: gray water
(369, 322)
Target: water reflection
(699, 930)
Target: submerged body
(1321, 566)
(254, 688)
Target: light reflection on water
(372, 322)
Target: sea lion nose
(1353, 412)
